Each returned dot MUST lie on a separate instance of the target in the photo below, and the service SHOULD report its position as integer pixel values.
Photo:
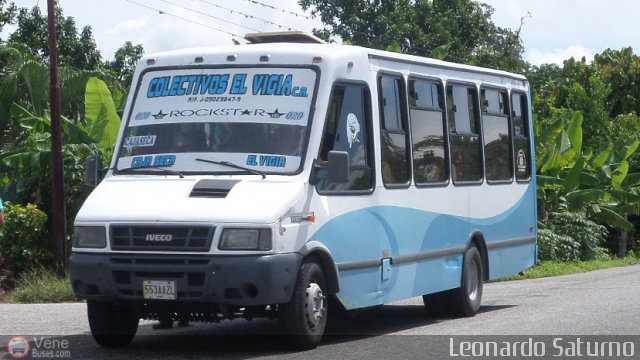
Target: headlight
(245, 239)
(89, 237)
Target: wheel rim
(315, 305)
(473, 280)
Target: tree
(576, 86)
(77, 49)
(125, 60)
(7, 13)
(620, 69)
(421, 26)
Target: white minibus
(273, 178)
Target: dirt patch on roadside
(4, 296)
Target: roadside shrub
(572, 236)
(552, 246)
(23, 239)
(41, 285)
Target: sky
(553, 30)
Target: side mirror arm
(335, 169)
(94, 171)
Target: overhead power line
(162, 12)
(249, 16)
(255, 2)
(208, 15)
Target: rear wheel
(305, 316)
(465, 300)
(112, 325)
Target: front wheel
(112, 325)
(305, 316)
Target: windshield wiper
(235, 166)
(166, 171)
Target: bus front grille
(161, 238)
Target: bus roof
(289, 53)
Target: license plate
(159, 289)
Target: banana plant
(99, 128)
(599, 185)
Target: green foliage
(619, 69)
(22, 241)
(103, 121)
(588, 237)
(75, 48)
(623, 129)
(604, 91)
(421, 28)
(570, 180)
(552, 246)
(394, 47)
(27, 169)
(440, 52)
(41, 285)
(7, 13)
(570, 236)
(125, 61)
(90, 99)
(26, 85)
(559, 268)
(577, 86)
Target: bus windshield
(254, 118)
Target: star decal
(159, 115)
(275, 114)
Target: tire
(465, 300)
(112, 325)
(304, 318)
(437, 304)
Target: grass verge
(558, 268)
(41, 285)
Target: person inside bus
(242, 138)
(191, 137)
(285, 140)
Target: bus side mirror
(338, 167)
(93, 173)
(335, 169)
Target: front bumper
(232, 280)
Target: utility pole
(57, 179)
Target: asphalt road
(602, 303)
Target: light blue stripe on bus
(364, 234)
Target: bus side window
(347, 129)
(428, 132)
(495, 130)
(522, 146)
(395, 158)
(466, 159)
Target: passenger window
(462, 113)
(495, 129)
(428, 132)
(522, 145)
(347, 129)
(395, 157)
